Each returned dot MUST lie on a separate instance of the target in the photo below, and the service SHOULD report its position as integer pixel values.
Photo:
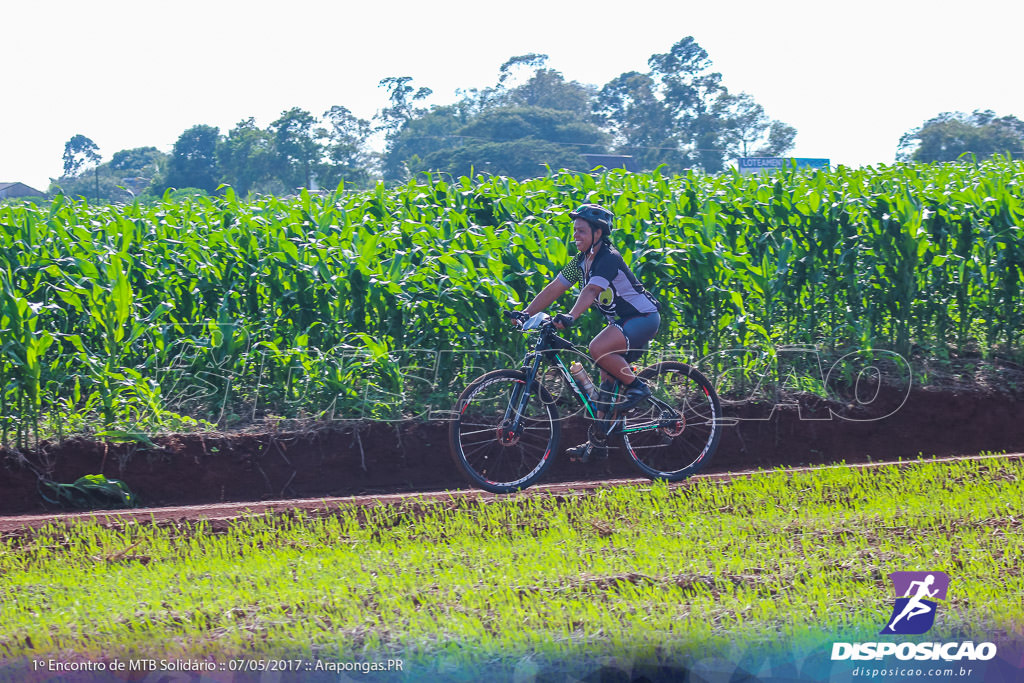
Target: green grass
(646, 572)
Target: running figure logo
(916, 595)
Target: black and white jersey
(622, 297)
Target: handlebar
(539, 321)
(516, 315)
(543, 324)
(528, 323)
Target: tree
(136, 168)
(193, 160)
(780, 140)
(507, 71)
(79, 151)
(548, 89)
(951, 134)
(298, 141)
(522, 158)
(129, 173)
(519, 142)
(348, 156)
(640, 121)
(667, 115)
(746, 125)
(685, 78)
(296, 150)
(524, 81)
(432, 131)
(248, 159)
(528, 101)
(689, 89)
(136, 159)
(513, 123)
(680, 114)
(402, 98)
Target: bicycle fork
(512, 425)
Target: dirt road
(223, 513)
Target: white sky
(850, 77)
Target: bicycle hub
(507, 435)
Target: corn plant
(212, 307)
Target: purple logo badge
(916, 596)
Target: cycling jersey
(622, 297)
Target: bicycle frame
(548, 345)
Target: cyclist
(631, 311)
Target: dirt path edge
(381, 458)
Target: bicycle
(506, 428)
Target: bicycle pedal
(587, 452)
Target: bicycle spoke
(686, 435)
(492, 463)
(489, 430)
(482, 444)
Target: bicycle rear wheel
(481, 447)
(673, 440)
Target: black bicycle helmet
(599, 217)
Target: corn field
(121, 321)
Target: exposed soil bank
(345, 460)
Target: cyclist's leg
(636, 333)
(613, 348)
(623, 342)
(605, 393)
(608, 349)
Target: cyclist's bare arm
(586, 299)
(547, 296)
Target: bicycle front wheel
(484, 444)
(675, 435)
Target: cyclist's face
(582, 234)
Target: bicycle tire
(476, 447)
(679, 447)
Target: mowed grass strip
(644, 571)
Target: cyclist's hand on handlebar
(517, 317)
(563, 321)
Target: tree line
(950, 135)
(677, 115)
(296, 150)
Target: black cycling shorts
(638, 330)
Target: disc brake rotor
(507, 436)
(671, 424)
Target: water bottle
(583, 380)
